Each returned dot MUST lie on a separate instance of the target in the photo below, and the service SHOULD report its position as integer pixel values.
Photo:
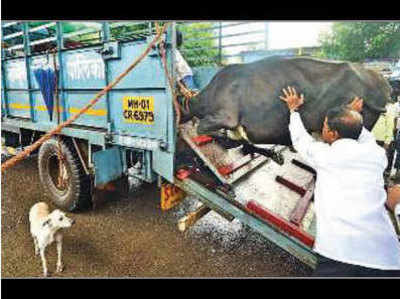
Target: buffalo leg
(213, 123)
(251, 149)
(227, 143)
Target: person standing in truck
(354, 236)
(184, 73)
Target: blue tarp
(47, 82)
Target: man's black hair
(346, 122)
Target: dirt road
(132, 237)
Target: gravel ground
(132, 237)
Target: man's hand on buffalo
(356, 104)
(292, 99)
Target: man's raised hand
(356, 104)
(291, 98)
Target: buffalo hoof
(227, 143)
(278, 158)
(247, 149)
(292, 149)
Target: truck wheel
(64, 181)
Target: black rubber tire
(77, 195)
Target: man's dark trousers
(389, 154)
(330, 268)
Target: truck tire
(75, 194)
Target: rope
(188, 94)
(171, 84)
(60, 154)
(22, 155)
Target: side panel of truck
(137, 113)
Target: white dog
(45, 228)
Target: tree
(357, 41)
(199, 44)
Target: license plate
(138, 109)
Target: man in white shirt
(354, 236)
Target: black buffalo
(247, 96)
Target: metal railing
(21, 39)
(220, 43)
(204, 43)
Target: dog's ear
(47, 222)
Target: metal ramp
(227, 165)
(287, 207)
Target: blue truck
(130, 134)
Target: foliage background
(357, 41)
(198, 46)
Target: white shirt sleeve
(367, 138)
(181, 66)
(313, 152)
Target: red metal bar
(290, 185)
(302, 204)
(183, 174)
(225, 170)
(304, 166)
(281, 223)
(228, 169)
(202, 139)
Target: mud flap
(108, 166)
(171, 195)
(110, 191)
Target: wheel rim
(59, 175)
